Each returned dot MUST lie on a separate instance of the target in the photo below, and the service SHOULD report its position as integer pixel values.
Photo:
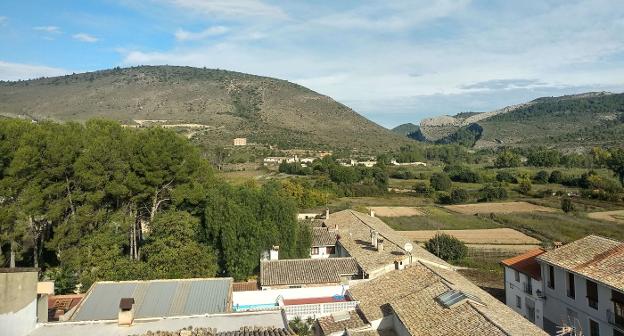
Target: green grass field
(551, 227)
(437, 218)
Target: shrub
(504, 176)
(567, 205)
(403, 174)
(446, 247)
(460, 173)
(556, 176)
(459, 196)
(492, 192)
(507, 159)
(423, 189)
(541, 177)
(524, 186)
(440, 182)
(444, 198)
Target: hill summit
(216, 105)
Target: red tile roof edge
(526, 263)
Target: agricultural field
(488, 237)
(611, 216)
(497, 208)
(438, 218)
(397, 211)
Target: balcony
(615, 320)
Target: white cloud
(184, 35)
(15, 71)
(48, 29)
(367, 55)
(83, 37)
(231, 8)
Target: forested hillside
(98, 201)
(569, 122)
(212, 106)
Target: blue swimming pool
(261, 306)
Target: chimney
(372, 212)
(557, 244)
(380, 245)
(374, 236)
(326, 213)
(126, 312)
(274, 253)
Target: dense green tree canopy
(102, 202)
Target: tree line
(102, 202)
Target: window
(594, 328)
(551, 277)
(571, 291)
(517, 276)
(315, 251)
(518, 302)
(618, 308)
(592, 294)
(331, 249)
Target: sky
(393, 61)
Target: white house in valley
(582, 287)
(523, 286)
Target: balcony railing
(615, 320)
(318, 309)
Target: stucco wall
(18, 307)
(557, 305)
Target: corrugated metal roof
(156, 298)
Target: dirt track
(611, 216)
(505, 207)
(397, 211)
(484, 237)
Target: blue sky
(393, 61)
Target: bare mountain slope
(214, 105)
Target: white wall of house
(271, 295)
(520, 300)
(560, 308)
(322, 252)
(20, 322)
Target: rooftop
(595, 257)
(323, 236)
(221, 323)
(412, 295)
(526, 263)
(60, 304)
(329, 324)
(306, 271)
(245, 286)
(156, 298)
(354, 230)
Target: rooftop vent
(126, 313)
(453, 297)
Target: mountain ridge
(221, 104)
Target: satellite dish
(408, 247)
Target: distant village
(362, 278)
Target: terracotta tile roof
(354, 231)
(323, 236)
(526, 263)
(386, 332)
(411, 294)
(421, 314)
(245, 286)
(595, 257)
(307, 271)
(328, 325)
(58, 305)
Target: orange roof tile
(526, 263)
